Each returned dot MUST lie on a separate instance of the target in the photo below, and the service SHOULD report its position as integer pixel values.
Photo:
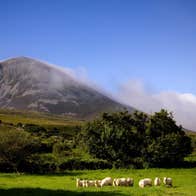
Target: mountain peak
(29, 84)
(23, 60)
(20, 58)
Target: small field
(64, 184)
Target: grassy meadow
(42, 119)
(64, 184)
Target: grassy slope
(33, 185)
(11, 116)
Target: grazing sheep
(90, 183)
(123, 182)
(106, 182)
(114, 181)
(145, 182)
(80, 183)
(130, 181)
(98, 183)
(167, 181)
(157, 181)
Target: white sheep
(123, 182)
(145, 182)
(130, 181)
(167, 181)
(157, 181)
(98, 183)
(106, 182)
(80, 183)
(114, 182)
(90, 183)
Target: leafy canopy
(137, 139)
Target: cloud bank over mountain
(138, 95)
(183, 105)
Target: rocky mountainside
(28, 84)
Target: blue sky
(114, 40)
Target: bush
(6, 167)
(34, 128)
(39, 164)
(15, 147)
(79, 164)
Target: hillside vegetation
(41, 143)
(51, 140)
(42, 119)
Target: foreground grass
(64, 184)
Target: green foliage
(116, 140)
(39, 163)
(162, 123)
(60, 148)
(167, 143)
(81, 164)
(109, 138)
(168, 150)
(15, 147)
(32, 128)
(137, 139)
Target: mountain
(29, 84)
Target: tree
(116, 137)
(139, 139)
(168, 144)
(168, 150)
(15, 147)
(162, 123)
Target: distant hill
(28, 84)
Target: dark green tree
(15, 147)
(162, 123)
(116, 137)
(139, 139)
(167, 143)
(168, 150)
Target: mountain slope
(28, 84)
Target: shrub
(79, 164)
(40, 164)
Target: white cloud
(183, 105)
(79, 74)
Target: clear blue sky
(115, 40)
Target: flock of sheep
(122, 182)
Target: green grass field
(64, 184)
